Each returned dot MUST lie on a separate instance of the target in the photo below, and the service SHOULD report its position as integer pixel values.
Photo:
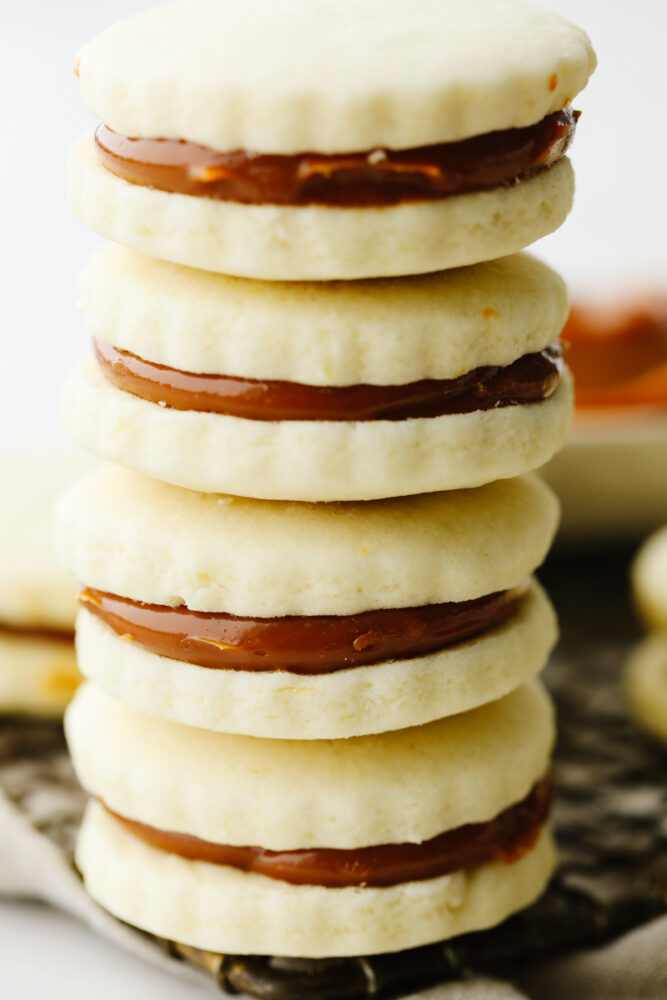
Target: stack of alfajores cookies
(307, 607)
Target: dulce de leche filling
(507, 837)
(314, 644)
(530, 379)
(375, 177)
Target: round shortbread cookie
(352, 702)
(646, 684)
(314, 242)
(35, 592)
(37, 676)
(142, 539)
(382, 332)
(312, 460)
(279, 76)
(649, 577)
(226, 910)
(406, 786)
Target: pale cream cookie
(318, 79)
(226, 910)
(38, 675)
(38, 672)
(312, 460)
(35, 591)
(646, 684)
(406, 786)
(381, 332)
(317, 242)
(280, 76)
(126, 534)
(649, 577)
(351, 702)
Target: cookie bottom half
(312, 460)
(313, 242)
(218, 908)
(351, 702)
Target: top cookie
(650, 580)
(286, 76)
(35, 593)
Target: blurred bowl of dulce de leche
(612, 474)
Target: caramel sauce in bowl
(611, 477)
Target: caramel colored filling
(375, 177)
(506, 838)
(315, 644)
(530, 379)
(619, 354)
(37, 632)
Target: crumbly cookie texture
(646, 684)
(226, 910)
(649, 576)
(311, 460)
(353, 702)
(37, 676)
(277, 76)
(130, 535)
(35, 592)
(382, 332)
(405, 786)
(313, 242)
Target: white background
(615, 241)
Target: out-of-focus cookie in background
(38, 673)
(612, 475)
(646, 676)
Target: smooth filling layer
(314, 644)
(376, 177)
(507, 837)
(530, 379)
(48, 634)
